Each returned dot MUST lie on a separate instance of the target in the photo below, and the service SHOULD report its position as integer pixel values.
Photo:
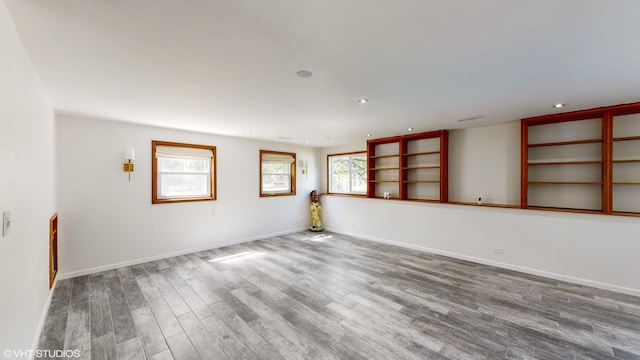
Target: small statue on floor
(316, 223)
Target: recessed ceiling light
(368, 135)
(410, 129)
(304, 73)
(247, 132)
(306, 141)
(558, 105)
(363, 101)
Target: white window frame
(165, 149)
(278, 157)
(350, 156)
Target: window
(347, 173)
(182, 172)
(277, 173)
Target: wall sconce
(130, 155)
(304, 165)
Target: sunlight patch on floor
(318, 237)
(237, 257)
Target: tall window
(277, 173)
(182, 172)
(347, 173)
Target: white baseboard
(98, 269)
(546, 274)
(43, 316)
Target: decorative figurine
(316, 223)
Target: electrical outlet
(6, 223)
(498, 250)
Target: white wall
(106, 220)
(27, 187)
(485, 161)
(595, 250)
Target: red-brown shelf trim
(422, 153)
(625, 138)
(467, 203)
(572, 210)
(383, 156)
(565, 182)
(566, 162)
(386, 168)
(421, 167)
(625, 213)
(572, 142)
(626, 161)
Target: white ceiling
(229, 66)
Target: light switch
(6, 223)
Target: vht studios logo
(40, 354)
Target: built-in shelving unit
(585, 161)
(409, 167)
(626, 163)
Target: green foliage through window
(348, 173)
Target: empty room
(218, 179)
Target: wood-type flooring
(330, 296)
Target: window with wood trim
(182, 172)
(277, 173)
(347, 173)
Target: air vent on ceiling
(478, 117)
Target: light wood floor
(330, 296)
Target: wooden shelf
(626, 161)
(383, 156)
(573, 142)
(421, 167)
(424, 200)
(420, 181)
(565, 183)
(582, 211)
(383, 181)
(385, 168)
(422, 153)
(468, 203)
(626, 138)
(566, 162)
(625, 213)
(626, 183)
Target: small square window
(277, 173)
(182, 172)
